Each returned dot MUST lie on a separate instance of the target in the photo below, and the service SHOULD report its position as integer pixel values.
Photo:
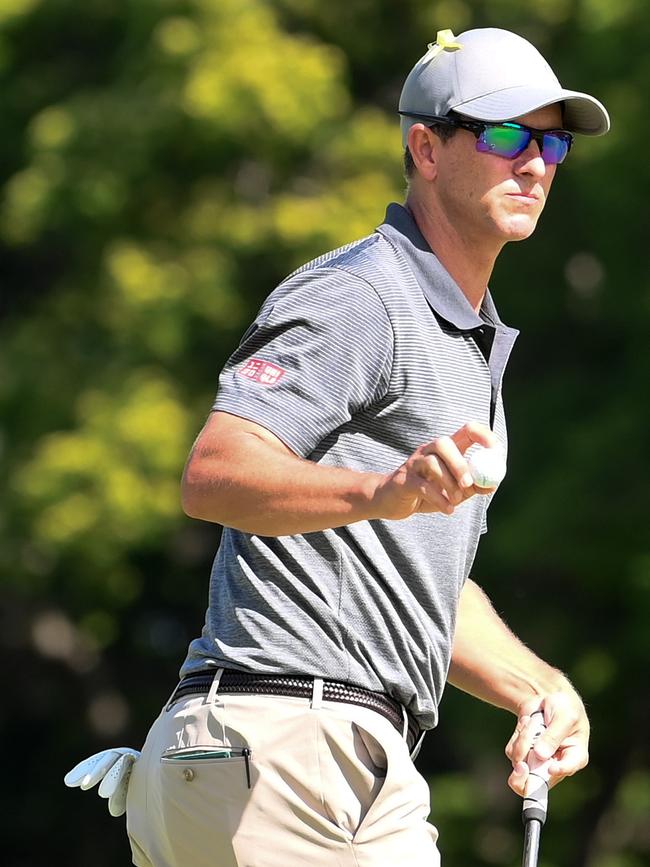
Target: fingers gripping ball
(487, 466)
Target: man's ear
(423, 145)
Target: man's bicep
(225, 433)
(229, 454)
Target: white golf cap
(494, 75)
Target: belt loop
(214, 686)
(418, 745)
(317, 694)
(405, 730)
(171, 699)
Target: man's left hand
(565, 743)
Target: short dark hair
(444, 132)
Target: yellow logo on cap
(445, 41)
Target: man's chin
(519, 230)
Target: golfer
(335, 457)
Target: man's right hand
(436, 478)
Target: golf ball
(487, 466)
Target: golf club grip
(535, 804)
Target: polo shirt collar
(445, 298)
(439, 288)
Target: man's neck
(468, 263)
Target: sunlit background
(163, 164)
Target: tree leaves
(162, 166)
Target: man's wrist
(552, 681)
(366, 498)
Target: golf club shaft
(532, 832)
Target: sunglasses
(509, 139)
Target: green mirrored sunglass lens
(504, 141)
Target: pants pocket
(203, 797)
(400, 808)
(203, 754)
(352, 766)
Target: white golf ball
(487, 466)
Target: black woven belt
(239, 682)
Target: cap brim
(582, 113)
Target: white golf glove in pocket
(110, 768)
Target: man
(335, 457)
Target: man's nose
(530, 160)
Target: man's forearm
(491, 663)
(271, 492)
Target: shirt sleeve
(319, 351)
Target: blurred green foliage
(163, 164)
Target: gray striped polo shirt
(355, 360)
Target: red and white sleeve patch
(262, 371)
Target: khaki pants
(331, 785)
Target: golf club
(535, 803)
